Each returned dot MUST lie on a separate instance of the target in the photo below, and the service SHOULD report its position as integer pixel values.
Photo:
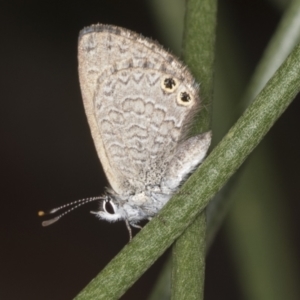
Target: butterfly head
(110, 210)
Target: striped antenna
(73, 205)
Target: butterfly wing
(138, 99)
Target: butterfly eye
(169, 84)
(109, 207)
(184, 98)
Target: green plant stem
(286, 37)
(188, 261)
(258, 224)
(258, 232)
(198, 53)
(178, 214)
(281, 44)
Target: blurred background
(48, 157)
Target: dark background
(48, 157)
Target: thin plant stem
(198, 52)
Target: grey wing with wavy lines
(138, 100)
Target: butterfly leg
(136, 226)
(129, 229)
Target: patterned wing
(138, 99)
